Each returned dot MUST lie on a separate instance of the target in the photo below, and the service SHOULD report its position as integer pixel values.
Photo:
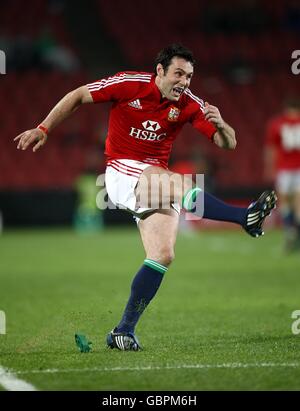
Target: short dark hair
(165, 56)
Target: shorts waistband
(124, 168)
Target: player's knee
(165, 256)
(168, 257)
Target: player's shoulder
(192, 100)
(133, 73)
(138, 76)
(131, 82)
(122, 79)
(276, 120)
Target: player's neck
(292, 113)
(157, 82)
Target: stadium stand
(239, 70)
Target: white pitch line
(11, 383)
(167, 367)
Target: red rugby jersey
(283, 133)
(142, 124)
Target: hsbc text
(146, 135)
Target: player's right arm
(63, 109)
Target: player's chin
(173, 97)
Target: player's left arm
(224, 136)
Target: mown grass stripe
(166, 367)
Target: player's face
(175, 79)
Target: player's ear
(160, 70)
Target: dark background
(243, 51)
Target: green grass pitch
(221, 320)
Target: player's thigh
(284, 188)
(158, 232)
(160, 186)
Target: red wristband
(44, 129)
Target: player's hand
(212, 114)
(30, 137)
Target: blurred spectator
(54, 55)
(238, 70)
(24, 53)
(282, 167)
(88, 217)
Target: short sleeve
(121, 86)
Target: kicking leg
(250, 218)
(179, 189)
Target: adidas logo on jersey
(135, 104)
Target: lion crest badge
(173, 114)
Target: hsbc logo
(149, 132)
(151, 125)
